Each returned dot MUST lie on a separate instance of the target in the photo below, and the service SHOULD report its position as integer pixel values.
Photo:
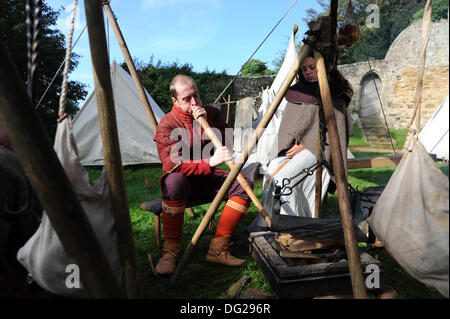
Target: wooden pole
(240, 178)
(241, 161)
(111, 148)
(318, 192)
(228, 108)
(130, 64)
(333, 26)
(46, 174)
(354, 261)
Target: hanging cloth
(411, 216)
(43, 254)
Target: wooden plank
(372, 162)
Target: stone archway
(370, 112)
(371, 88)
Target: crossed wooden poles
(358, 285)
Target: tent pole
(319, 169)
(130, 64)
(354, 262)
(46, 174)
(241, 161)
(111, 148)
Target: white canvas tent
(262, 150)
(434, 136)
(133, 125)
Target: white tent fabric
(262, 150)
(434, 136)
(133, 125)
(43, 254)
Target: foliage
(156, 77)
(439, 11)
(255, 68)
(395, 16)
(51, 54)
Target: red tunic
(182, 145)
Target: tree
(156, 77)
(439, 11)
(51, 53)
(395, 16)
(255, 68)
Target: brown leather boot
(218, 252)
(171, 254)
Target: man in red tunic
(190, 174)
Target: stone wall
(398, 74)
(250, 86)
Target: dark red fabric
(175, 137)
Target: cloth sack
(411, 219)
(43, 255)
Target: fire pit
(326, 273)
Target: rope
(62, 98)
(415, 123)
(60, 66)
(374, 82)
(33, 22)
(254, 52)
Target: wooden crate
(304, 281)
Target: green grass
(201, 279)
(358, 138)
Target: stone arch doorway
(370, 112)
(370, 103)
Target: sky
(214, 35)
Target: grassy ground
(201, 279)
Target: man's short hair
(180, 79)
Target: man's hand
(221, 155)
(197, 111)
(294, 150)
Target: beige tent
(133, 125)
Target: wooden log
(241, 161)
(111, 148)
(298, 254)
(130, 64)
(371, 162)
(358, 285)
(52, 186)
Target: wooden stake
(130, 64)
(111, 148)
(228, 108)
(318, 192)
(54, 190)
(241, 161)
(354, 261)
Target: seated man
(190, 174)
